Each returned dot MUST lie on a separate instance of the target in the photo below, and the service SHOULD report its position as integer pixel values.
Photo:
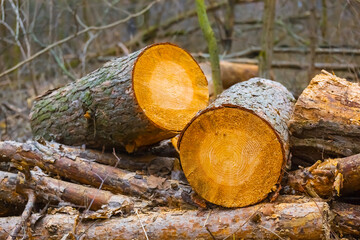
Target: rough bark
(52, 190)
(346, 219)
(326, 119)
(161, 191)
(8, 192)
(266, 221)
(340, 176)
(101, 108)
(261, 105)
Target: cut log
(232, 153)
(332, 177)
(162, 191)
(231, 73)
(266, 221)
(326, 119)
(133, 101)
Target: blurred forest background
(57, 42)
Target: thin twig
(142, 226)
(25, 215)
(272, 232)
(92, 28)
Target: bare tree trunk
(267, 39)
(312, 38)
(324, 20)
(229, 25)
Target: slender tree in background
(312, 39)
(229, 24)
(267, 39)
(212, 45)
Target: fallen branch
(142, 161)
(53, 190)
(296, 65)
(25, 215)
(256, 50)
(162, 191)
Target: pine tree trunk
(326, 119)
(132, 101)
(233, 152)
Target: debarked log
(133, 101)
(233, 152)
(308, 220)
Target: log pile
(235, 152)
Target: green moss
(108, 91)
(87, 99)
(43, 117)
(63, 108)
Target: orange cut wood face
(169, 86)
(231, 157)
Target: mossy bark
(98, 110)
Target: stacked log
(233, 152)
(137, 100)
(326, 119)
